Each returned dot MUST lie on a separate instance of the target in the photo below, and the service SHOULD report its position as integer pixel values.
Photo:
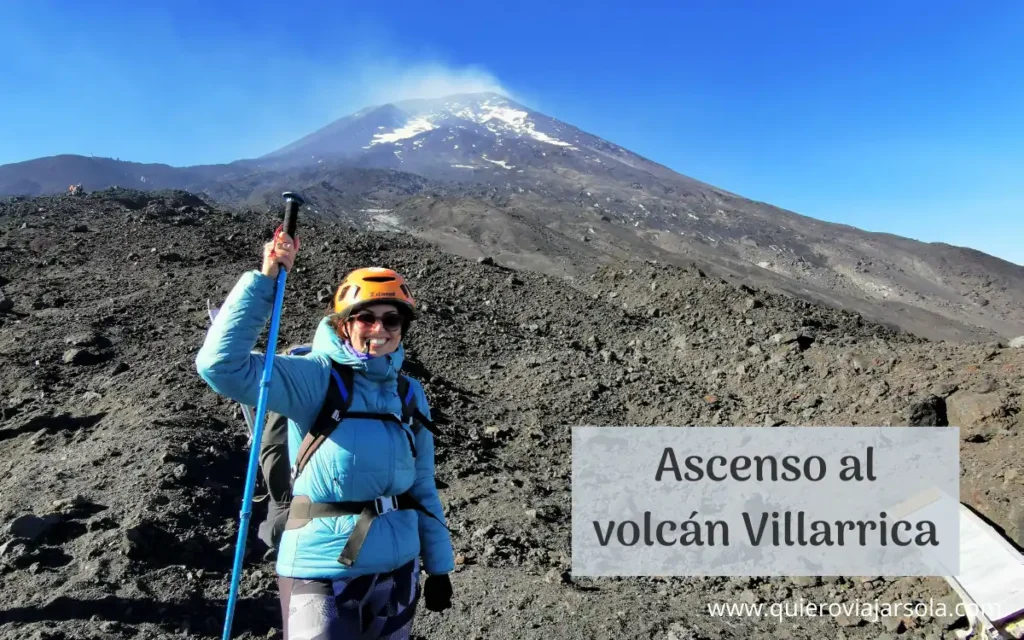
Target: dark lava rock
(82, 357)
(32, 527)
(930, 412)
(86, 339)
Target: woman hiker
(364, 508)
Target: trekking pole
(291, 211)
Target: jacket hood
(328, 342)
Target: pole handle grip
(292, 203)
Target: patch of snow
(375, 210)
(392, 220)
(456, 146)
(500, 163)
(384, 222)
(764, 264)
(514, 117)
(413, 127)
(493, 116)
(464, 166)
(693, 216)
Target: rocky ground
(121, 472)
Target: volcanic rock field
(121, 472)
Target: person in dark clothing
(276, 476)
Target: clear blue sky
(906, 116)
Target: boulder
(979, 415)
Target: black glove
(437, 592)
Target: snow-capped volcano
(453, 136)
(497, 114)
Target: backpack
(286, 513)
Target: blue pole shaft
(257, 437)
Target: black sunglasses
(390, 320)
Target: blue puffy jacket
(361, 460)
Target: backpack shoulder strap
(335, 406)
(343, 383)
(408, 396)
(411, 414)
(299, 350)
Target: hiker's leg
(311, 613)
(284, 591)
(319, 610)
(403, 600)
(381, 606)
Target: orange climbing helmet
(372, 285)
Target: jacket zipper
(391, 467)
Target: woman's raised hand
(280, 250)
